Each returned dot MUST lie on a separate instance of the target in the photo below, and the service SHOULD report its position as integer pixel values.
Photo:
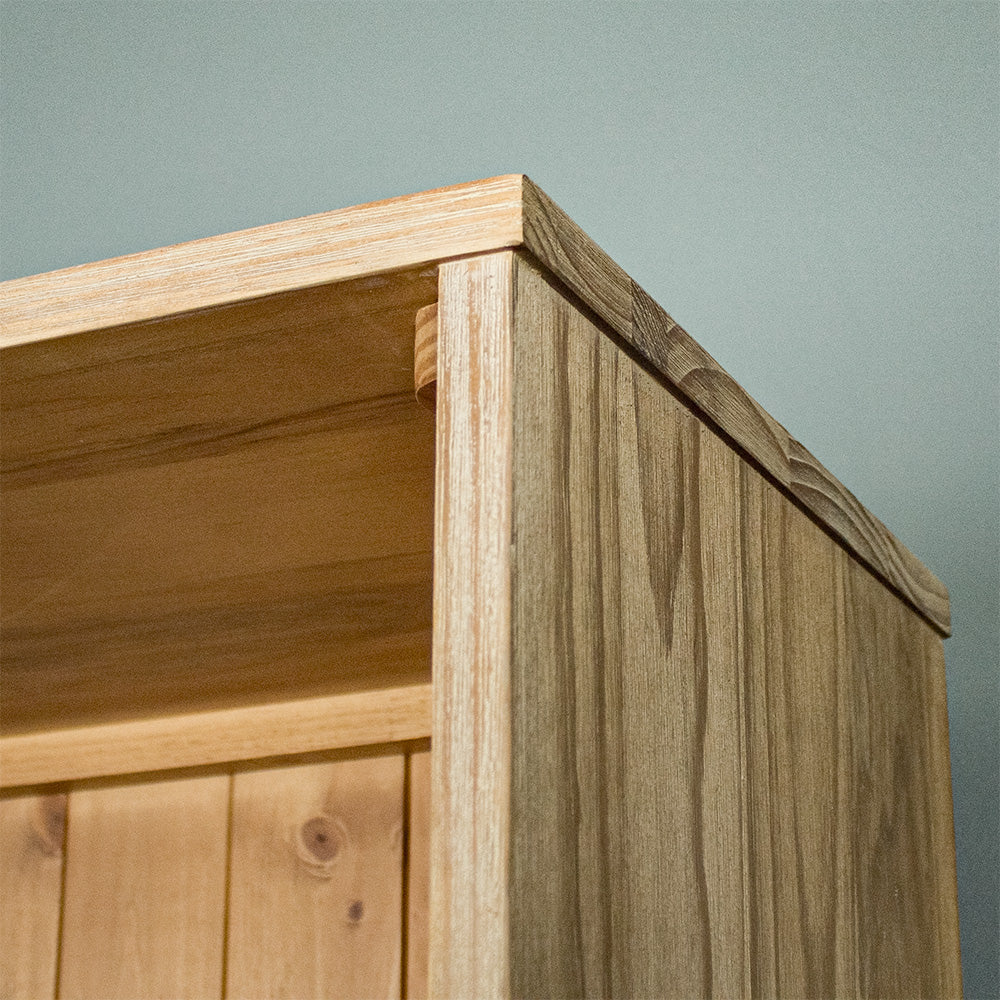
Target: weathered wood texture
(316, 881)
(225, 508)
(32, 829)
(729, 757)
(418, 876)
(356, 719)
(850, 849)
(555, 240)
(412, 234)
(471, 724)
(145, 890)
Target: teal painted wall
(811, 189)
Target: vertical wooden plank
(145, 890)
(626, 838)
(850, 862)
(798, 789)
(418, 876)
(316, 881)
(471, 727)
(901, 828)
(31, 862)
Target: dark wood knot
(320, 838)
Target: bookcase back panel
(280, 881)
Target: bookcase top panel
(419, 231)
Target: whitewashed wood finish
(471, 726)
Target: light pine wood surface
(725, 733)
(356, 719)
(145, 891)
(418, 876)
(688, 704)
(413, 234)
(32, 830)
(361, 241)
(232, 507)
(316, 881)
(267, 881)
(471, 715)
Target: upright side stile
(471, 666)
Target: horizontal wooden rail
(336, 722)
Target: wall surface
(810, 190)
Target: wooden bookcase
(585, 679)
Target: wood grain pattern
(145, 890)
(411, 235)
(558, 243)
(471, 725)
(334, 246)
(418, 877)
(355, 719)
(851, 856)
(32, 829)
(316, 881)
(239, 500)
(425, 354)
(626, 787)
(727, 735)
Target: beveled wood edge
(579, 264)
(334, 722)
(449, 223)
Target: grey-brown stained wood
(851, 849)
(726, 735)
(315, 900)
(558, 243)
(626, 788)
(32, 830)
(145, 891)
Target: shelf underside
(217, 509)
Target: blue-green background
(811, 189)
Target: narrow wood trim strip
(470, 765)
(337, 722)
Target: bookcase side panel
(729, 759)
(626, 838)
